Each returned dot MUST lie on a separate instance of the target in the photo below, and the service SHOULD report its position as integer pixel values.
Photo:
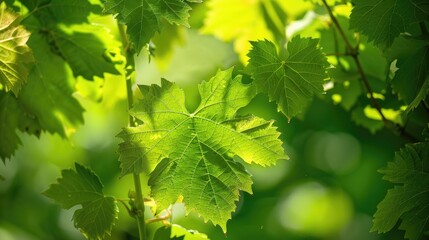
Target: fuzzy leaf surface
(143, 17)
(15, 55)
(82, 187)
(409, 199)
(383, 20)
(289, 80)
(190, 155)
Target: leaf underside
(190, 155)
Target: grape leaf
(85, 49)
(143, 17)
(50, 82)
(82, 187)
(290, 80)
(15, 56)
(383, 20)
(190, 155)
(409, 199)
(411, 80)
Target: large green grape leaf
(289, 80)
(383, 20)
(190, 155)
(82, 187)
(409, 199)
(48, 93)
(143, 17)
(15, 56)
(411, 81)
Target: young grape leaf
(290, 80)
(409, 199)
(383, 20)
(190, 155)
(82, 187)
(411, 80)
(15, 56)
(143, 17)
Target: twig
(354, 52)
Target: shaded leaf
(60, 11)
(82, 187)
(409, 199)
(9, 118)
(411, 80)
(85, 49)
(190, 155)
(383, 20)
(51, 83)
(289, 80)
(360, 118)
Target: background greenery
(329, 189)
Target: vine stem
(354, 52)
(129, 69)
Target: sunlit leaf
(82, 187)
(190, 155)
(15, 56)
(289, 80)
(408, 200)
(179, 231)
